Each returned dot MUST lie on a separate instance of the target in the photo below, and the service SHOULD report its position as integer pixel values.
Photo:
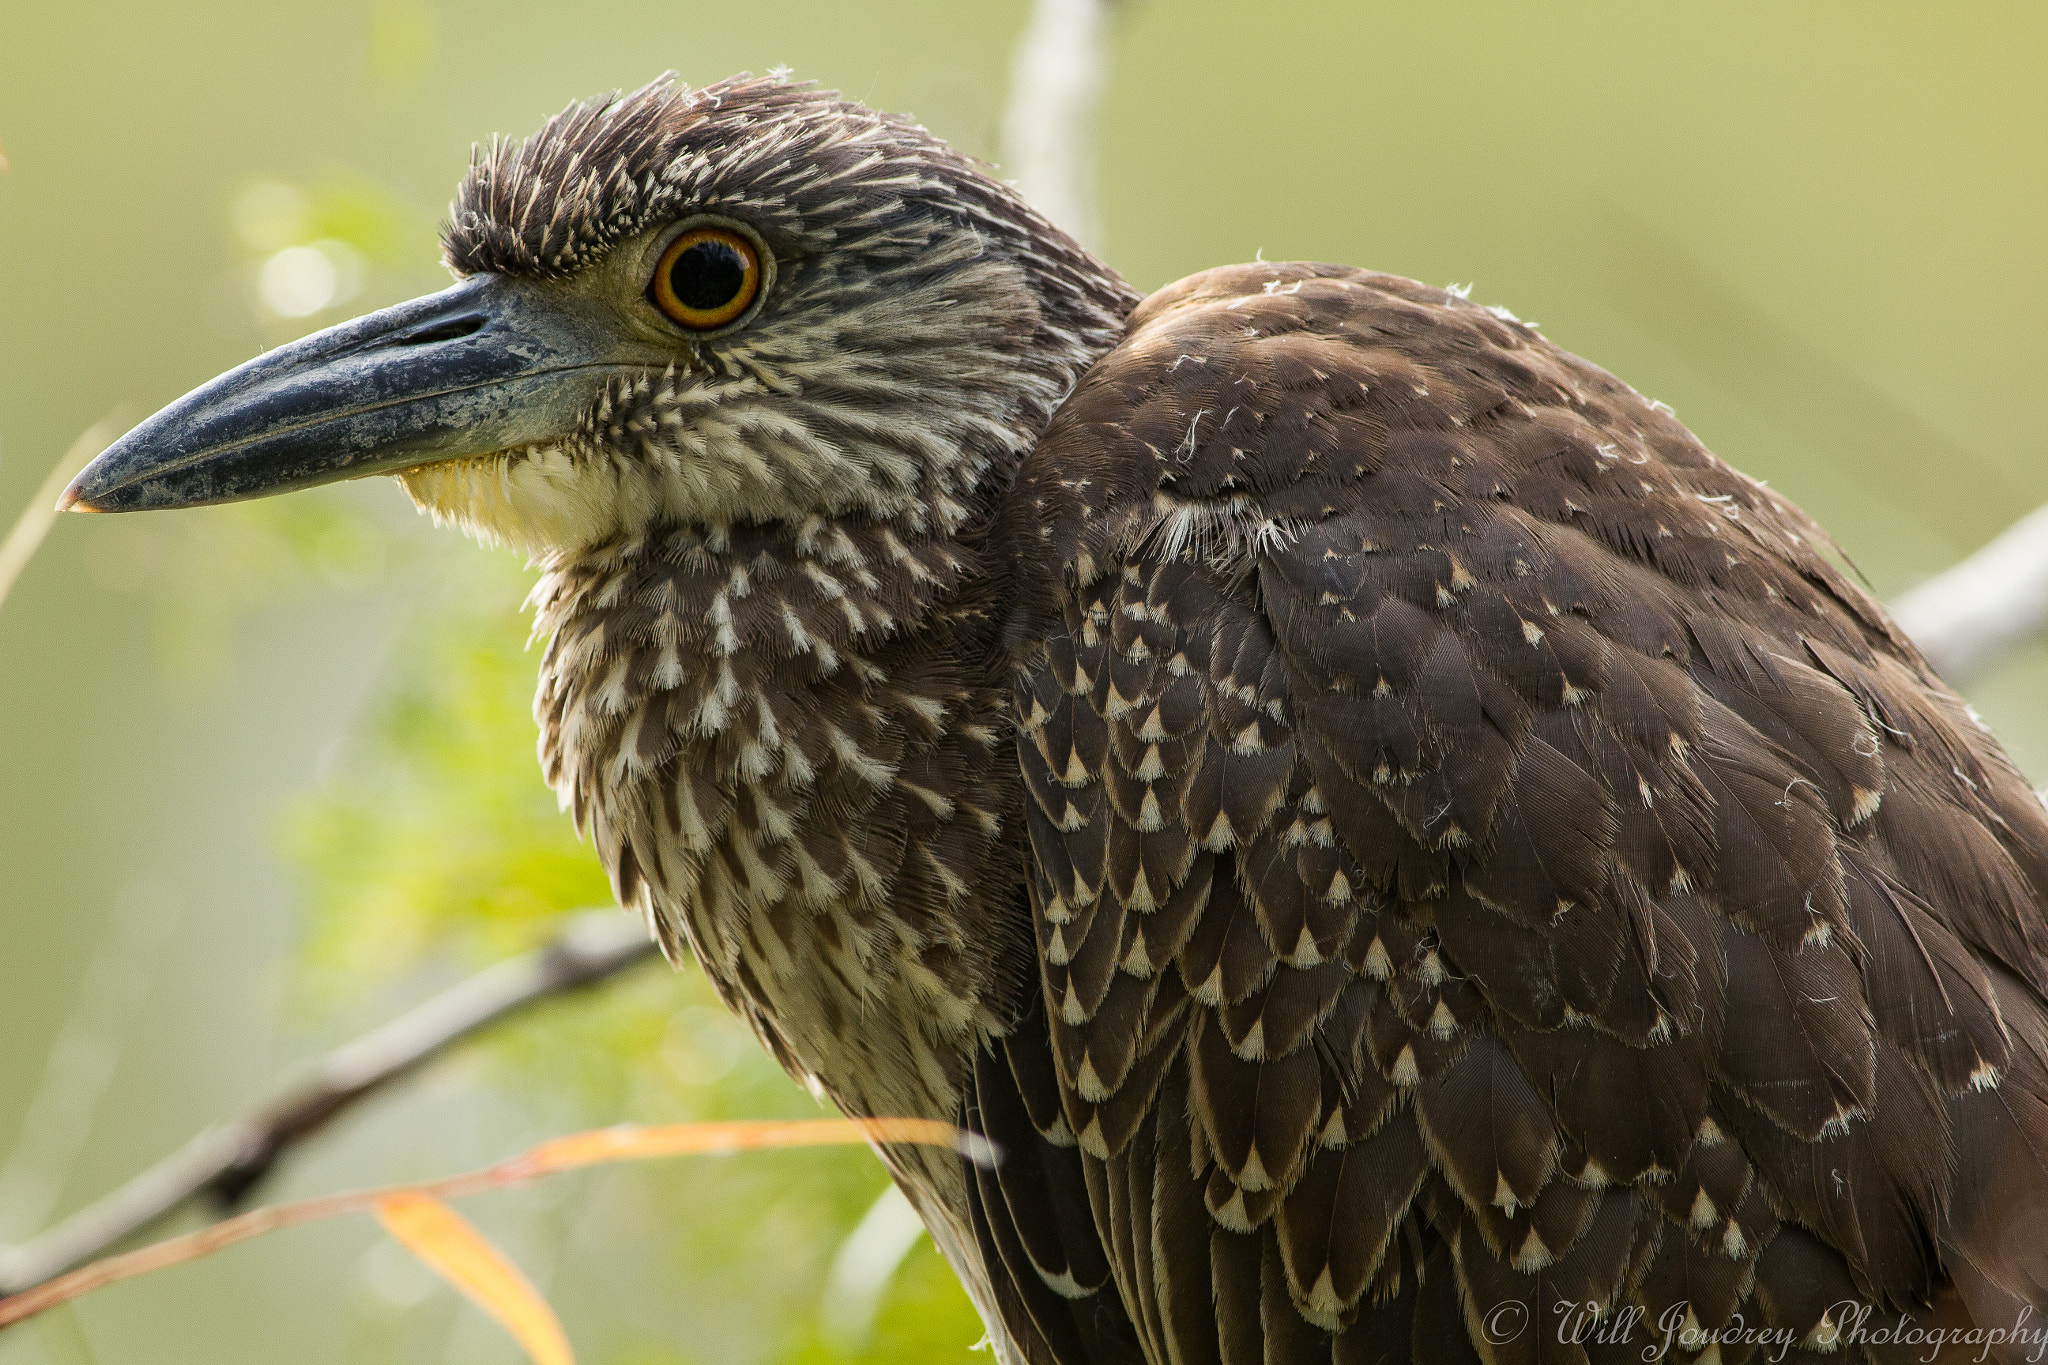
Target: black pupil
(708, 275)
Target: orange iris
(707, 277)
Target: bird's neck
(790, 745)
(790, 742)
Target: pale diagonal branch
(1967, 615)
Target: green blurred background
(268, 770)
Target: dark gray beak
(487, 365)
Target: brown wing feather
(1486, 853)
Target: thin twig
(627, 1142)
(1970, 613)
(41, 513)
(81, 1062)
(225, 1161)
(1961, 618)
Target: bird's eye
(707, 277)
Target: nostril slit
(452, 330)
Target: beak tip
(74, 501)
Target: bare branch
(1055, 80)
(225, 1162)
(1997, 598)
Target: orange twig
(624, 1143)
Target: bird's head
(753, 302)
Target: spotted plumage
(1409, 856)
(1499, 837)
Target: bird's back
(1499, 888)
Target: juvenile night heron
(1389, 835)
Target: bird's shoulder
(1462, 807)
(1280, 396)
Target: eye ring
(707, 278)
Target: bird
(1403, 853)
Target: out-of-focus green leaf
(440, 832)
